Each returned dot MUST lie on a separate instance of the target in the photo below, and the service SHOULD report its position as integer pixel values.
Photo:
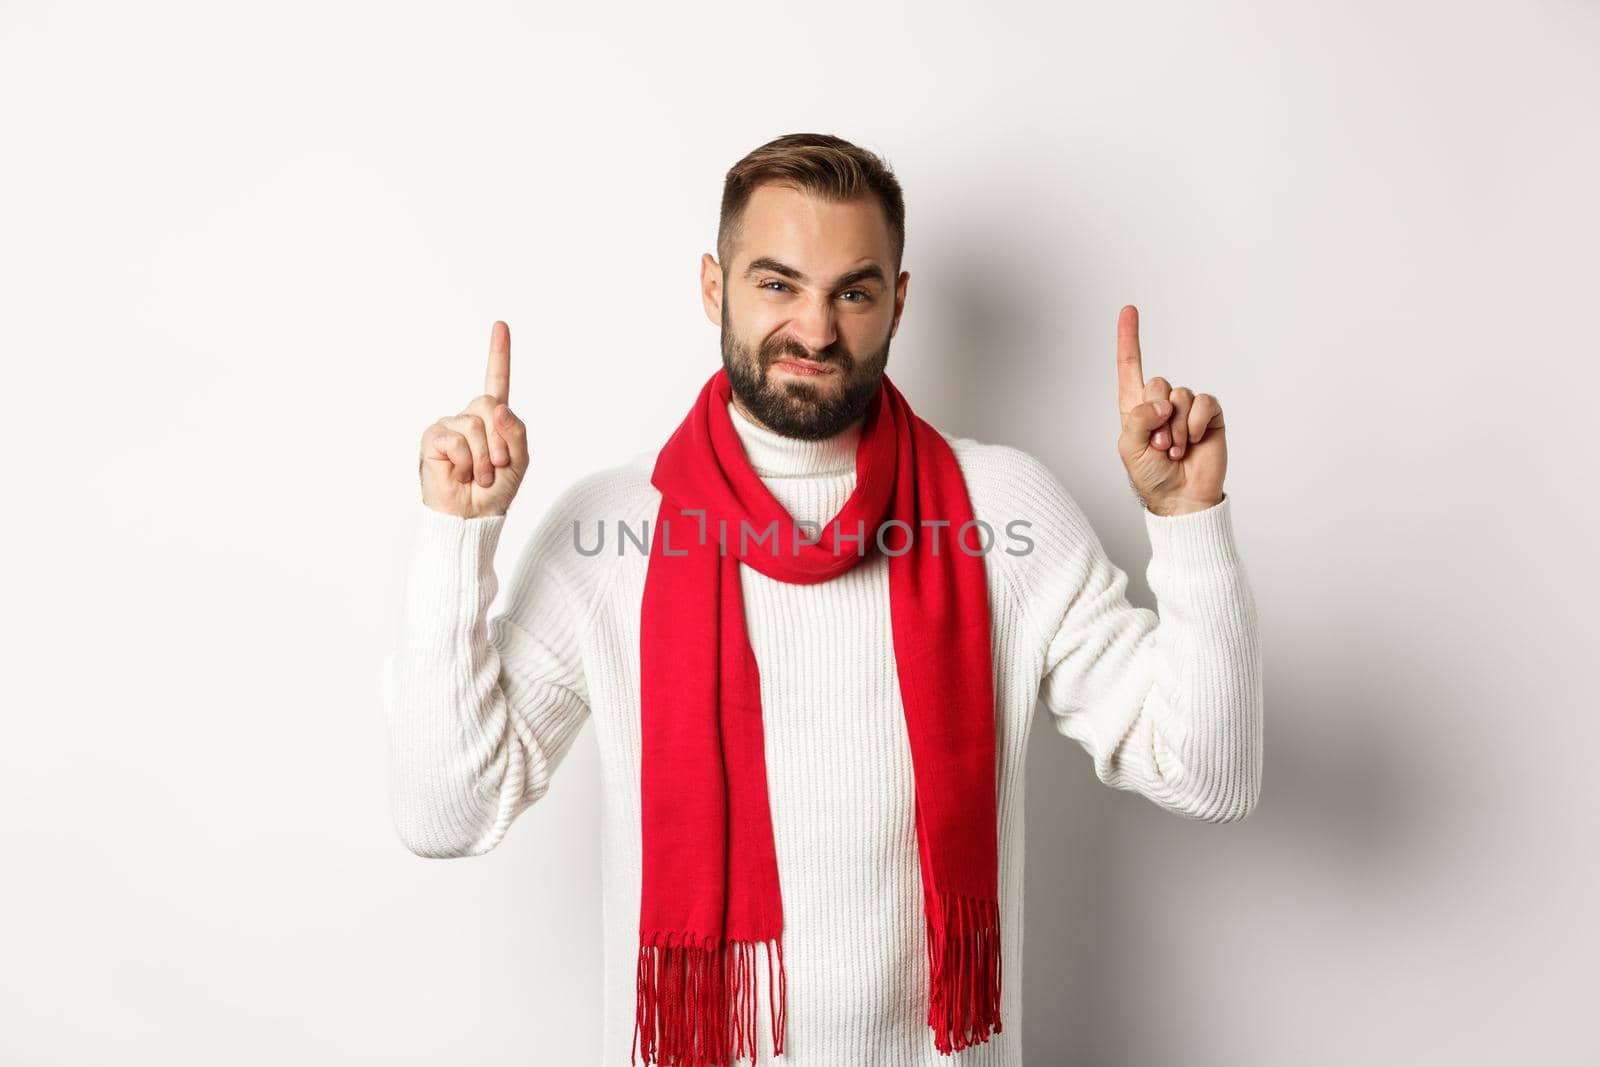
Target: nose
(815, 326)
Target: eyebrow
(767, 263)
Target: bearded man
(811, 679)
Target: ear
(899, 299)
(711, 288)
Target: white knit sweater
(480, 713)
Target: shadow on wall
(1116, 886)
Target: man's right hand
(472, 463)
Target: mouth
(804, 367)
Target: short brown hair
(816, 163)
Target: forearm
(1167, 703)
(1205, 704)
(453, 765)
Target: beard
(796, 408)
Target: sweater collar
(772, 455)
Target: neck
(774, 455)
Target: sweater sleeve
(1167, 703)
(479, 713)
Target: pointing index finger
(1130, 365)
(497, 379)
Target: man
(813, 743)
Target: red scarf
(710, 869)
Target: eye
(764, 284)
(863, 294)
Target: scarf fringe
(964, 970)
(696, 1002)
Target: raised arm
(479, 712)
(1168, 703)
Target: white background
(247, 255)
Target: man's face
(807, 306)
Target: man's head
(809, 288)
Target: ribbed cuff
(466, 543)
(1194, 542)
(451, 577)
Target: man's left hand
(1172, 442)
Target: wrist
(470, 515)
(1182, 505)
